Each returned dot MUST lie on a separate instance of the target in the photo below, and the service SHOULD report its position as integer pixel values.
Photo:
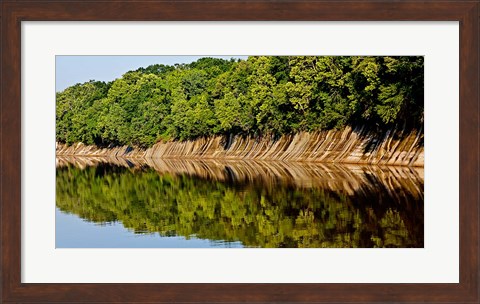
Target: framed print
(258, 151)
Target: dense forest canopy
(263, 95)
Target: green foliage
(261, 95)
(255, 213)
(76, 119)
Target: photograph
(254, 151)
(239, 151)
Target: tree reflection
(382, 209)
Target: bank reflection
(260, 204)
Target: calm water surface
(117, 203)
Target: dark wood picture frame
(13, 12)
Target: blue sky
(70, 70)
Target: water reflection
(259, 204)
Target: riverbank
(353, 146)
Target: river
(155, 203)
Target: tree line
(263, 95)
